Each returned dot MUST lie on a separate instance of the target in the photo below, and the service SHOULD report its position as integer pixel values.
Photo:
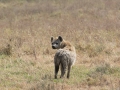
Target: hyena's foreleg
(57, 63)
(56, 70)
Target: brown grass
(92, 26)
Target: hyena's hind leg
(68, 73)
(63, 68)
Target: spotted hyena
(64, 57)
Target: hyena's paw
(62, 77)
(55, 77)
(68, 77)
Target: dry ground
(26, 57)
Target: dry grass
(92, 26)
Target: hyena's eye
(56, 43)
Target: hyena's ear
(51, 39)
(60, 38)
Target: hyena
(64, 57)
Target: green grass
(78, 74)
(19, 74)
(14, 71)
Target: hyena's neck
(67, 45)
(63, 44)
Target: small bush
(7, 50)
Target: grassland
(26, 56)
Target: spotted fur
(64, 57)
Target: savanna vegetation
(26, 56)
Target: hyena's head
(56, 43)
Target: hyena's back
(64, 56)
(66, 59)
